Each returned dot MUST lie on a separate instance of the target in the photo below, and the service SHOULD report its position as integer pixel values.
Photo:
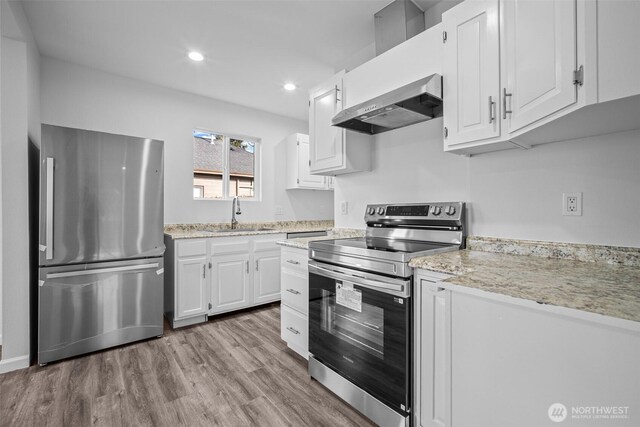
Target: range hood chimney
(397, 22)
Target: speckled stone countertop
(336, 233)
(195, 231)
(601, 285)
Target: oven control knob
(371, 211)
(380, 210)
(436, 210)
(451, 210)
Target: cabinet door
(513, 359)
(266, 277)
(230, 282)
(191, 290)
(326, 141)
(471, 69)
(539, 56)
(305, 179)
(435, 371)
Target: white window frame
(257, 173)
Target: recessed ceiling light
(289, 86)
(195, 56)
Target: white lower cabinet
(295, 330)
(266, 276)
(230, 280)
(489, 360)
(204, 277)
(244, 271)
(186, 287)
(294, 273)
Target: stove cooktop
(388, 250)
(386, 245)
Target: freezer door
(101, 196)
(84, 308)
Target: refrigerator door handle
(49, 210)
(102, 270)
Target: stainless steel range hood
(416, 102)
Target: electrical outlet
(572, 204)
(344, 208)
(278, 210)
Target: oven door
(360, 326)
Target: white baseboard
(13, 364)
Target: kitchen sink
(239, 230)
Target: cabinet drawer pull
(293, 291)
(290, 261)
(295, 331)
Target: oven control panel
(412, 212)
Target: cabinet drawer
(295, 290)
(268, 243)
(190, 248)
(294, 329)
(295, 259)
(230, 246)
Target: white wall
(20, 122)
(518, 193)
(408, 165)
(513, 193)
(80, 97)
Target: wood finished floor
(231, 371)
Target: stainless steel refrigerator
(101, 241)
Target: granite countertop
(336, 233)
(610, 286)
(196, 231)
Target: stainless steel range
(360, 304)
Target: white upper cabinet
(560, 62)
(471, 69)
(327, 142)
(539, 57)
(298, 165)
(407, 62)
(333, 150)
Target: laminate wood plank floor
(233, 370)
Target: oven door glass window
(364, 335)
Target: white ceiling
(251, 48)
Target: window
(224, 166)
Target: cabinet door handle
(295, 331)
(247, 266)
(204, 271)
(492, 110)
(257, 264)
(293, 291)
(290, 261)
(504, 103)
(337, 99)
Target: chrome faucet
(235, 210)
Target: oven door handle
(392, 288)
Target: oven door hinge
(578, 76)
